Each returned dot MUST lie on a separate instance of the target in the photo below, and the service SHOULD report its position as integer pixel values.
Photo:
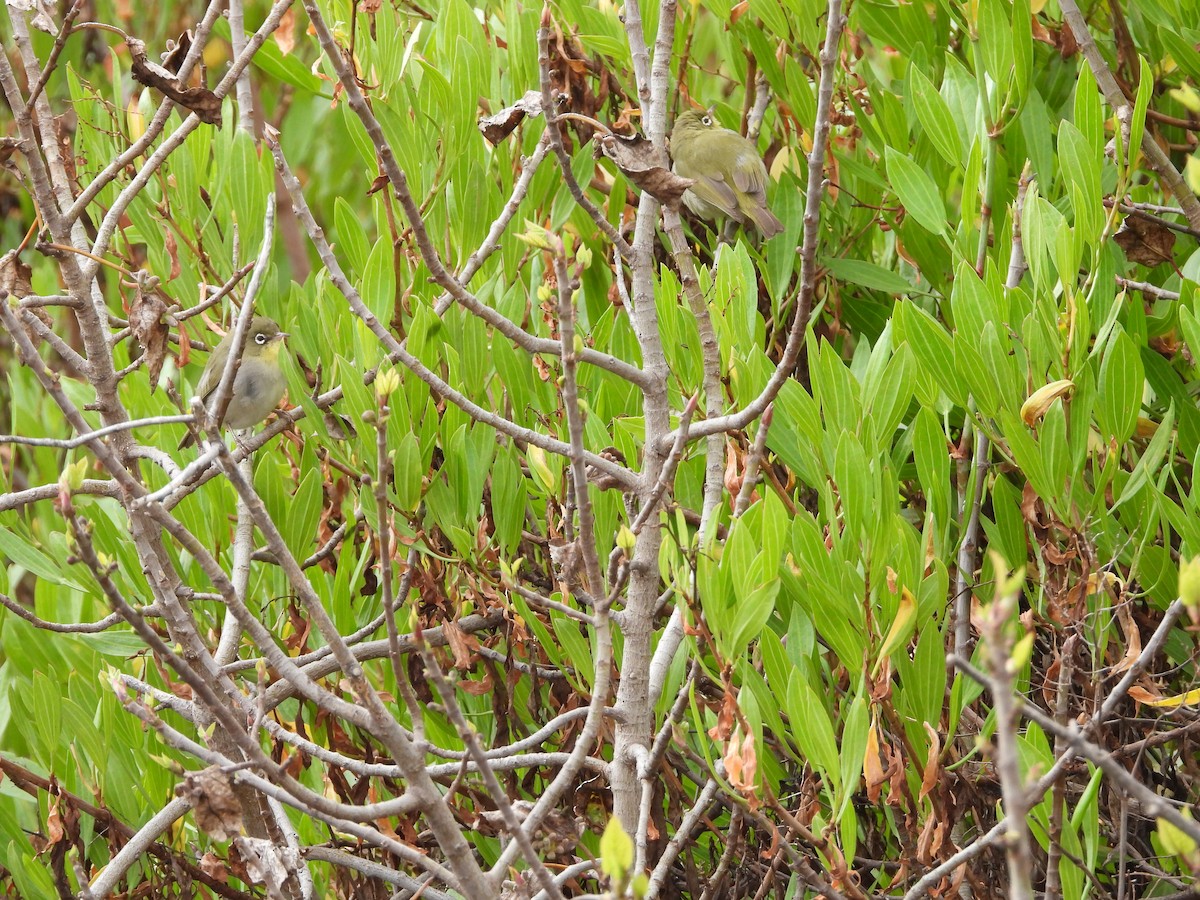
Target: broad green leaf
(936, 118)
(868, 275)
(1121, 381)
(917, 191)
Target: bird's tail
(765, 221)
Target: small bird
(259, 382)
(730, 178)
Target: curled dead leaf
(500, 125)
(1133, 639)
(873, 770)
(933, 766)
(203, 102)
(1041, 399)
(285, 34)
(267, 863)
(636, 158)
(177, 52)
(461, 644)
(218, 813)
(146, 323)
(15, 276)
(1145, 241)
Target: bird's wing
(750, 175)
(711, 189)
(211, 376)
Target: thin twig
(753, 461)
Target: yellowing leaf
(1041, 399)
(540, 469)
(1187, 97)
(1189, 583)
(1022, 652)
(1191, 174)
(1191, 698)
(134, 117)
(902, 627)
(1178, 842)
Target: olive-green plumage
(730, 178)
(259, 382)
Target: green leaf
(379, 281)
(21, 550)
(853, 748)
(1137, 125)
(616, 851)
(299, 526)
(932, 458)
(114, 643)
(1150, 461)
(935, 116)
(932, 346)
(753, 611)
(351, 237)
(1121, 381)
(996, 39)
(868, 275)
(811, 729)
(917, 191)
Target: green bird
(259, 382)
(730, 178)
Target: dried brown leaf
(267, 864)
(203, 102)
(933, 766)
(873, 770)
(741, 762)
(285, 34)
(177, 52)
(636, 158)
(1133, 639)
(15, 276)
(1145, 241)
(1141, 695)
(462, 645)
(214, 867)
(146, 323)
(172, 247)
(500, 125)
(218, 813)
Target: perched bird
(259, 382)
(730, 178)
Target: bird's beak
(282, 335)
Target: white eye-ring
(707, 120)
(260, 339)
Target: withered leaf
(462, 644)
(1145, 241)
(285, 34)
(267, 864)
(500, 125)
(177, 52)
(933, 766)
(218, 813)
(146, 323)
(15, 276)
(8, 146)
(634, 156)
(203, 102)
